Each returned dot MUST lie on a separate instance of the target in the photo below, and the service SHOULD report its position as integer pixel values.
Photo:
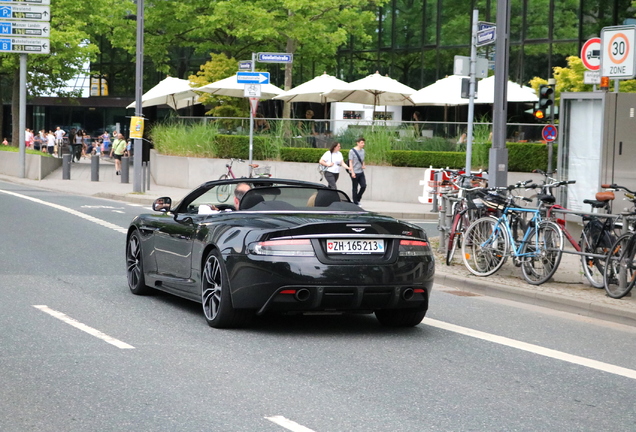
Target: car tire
(216, 298)
(135, 266)
(400, 317)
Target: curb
(592, 309)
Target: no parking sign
(549, 133)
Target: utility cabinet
(597, 144)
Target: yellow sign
(136, 127)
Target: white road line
(288, 424)
(83, 327)
(535, 349)
(71, 211)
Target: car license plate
(359, 247)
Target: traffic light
(546, 99)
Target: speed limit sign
(617, 52)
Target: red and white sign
(617, 52)
(591, 54)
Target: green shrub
(181, 139)
(238, 146)
(406, 158)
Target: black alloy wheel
(216, 298)
(135, 266)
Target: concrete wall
(384, 183)
(36, 167)
(396, 184)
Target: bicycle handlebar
(615, 186)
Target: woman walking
(332, 159)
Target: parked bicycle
(620, 271)
(467, 207)
(488, 242)
(224, 191)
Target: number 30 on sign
(617, 52)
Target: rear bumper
(306, 284)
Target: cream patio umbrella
(514, 93)
(374, 90)
(174, 92)
(313, 90)
(443, 92)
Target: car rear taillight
(295, 247)
(414, 248)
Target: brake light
(292, 247)
(414, 248)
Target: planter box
(36, 167)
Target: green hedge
(522, 157)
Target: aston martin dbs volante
(280, 246)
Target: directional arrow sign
(21, 11)
(25, 28)
(40, 2)
(252, 77)
(24, 45)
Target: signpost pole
(252, 125)
(139, 84)
(471, 100)
(22, 120)
(498, 157)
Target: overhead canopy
(447, 92)
(313, 90)
(374, 90)
(515, 92)
(229, 87)
(443, 92)
(174, 92)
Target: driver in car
(239, 192)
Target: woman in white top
(332, 159)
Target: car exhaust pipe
(408, 294)
(302, 295)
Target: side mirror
(162, 204)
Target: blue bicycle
(489, 241)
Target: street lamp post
(139, 84)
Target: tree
(312, 29)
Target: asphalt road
(78, 352)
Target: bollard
(144, 167)
(148, 175)
(436, 183)
(125, 169)
(95, 168)
(66, 167)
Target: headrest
(250, 200)
(326, 197)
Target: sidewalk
(568, 291)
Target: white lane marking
(83, 327)
(118, 211)
(288, 424)
(71, 211)
(535, 349)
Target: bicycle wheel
(544, 247)
(594, 267)
(223, 191)
(485, 246)
(454, 238)
(618, 278)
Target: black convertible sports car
(290, 247)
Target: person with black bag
(356, 170)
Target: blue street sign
(486, 36)
(482, 25)
(245, 65)
(42, 2)
(20, 11)
(24, 28)
(252, 77)
(275, 58)
(24, 45)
